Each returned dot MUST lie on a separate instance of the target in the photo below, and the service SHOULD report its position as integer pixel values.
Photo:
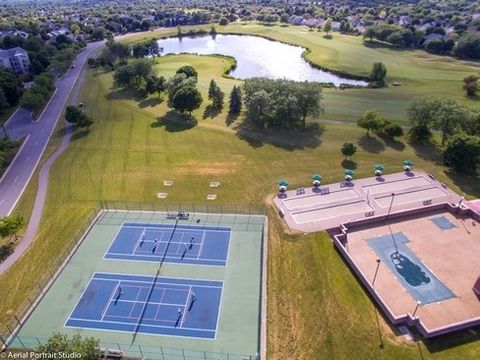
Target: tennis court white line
(177, 228)
(139, 241)
(151, 302)
(158, 307)
(184, 315)
(154, 256)
(159, 282)
(109, 300)
(201, 249)
(136, 297)
(144, 325)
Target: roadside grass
(419, 72)
(316, 307)
(5, 114)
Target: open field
(317, 309)
(419, 72)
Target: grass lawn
(419, 72)
(317, 309)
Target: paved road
(17, 176)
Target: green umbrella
(408, 162)
(317, 177)
(379, 167)
(349, 172)
(283, 182)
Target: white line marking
(107, 306)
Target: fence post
(141, 352)
(39, 343)
(161, 353)
(21, 342)
(4, 342)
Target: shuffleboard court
(320, 199)
(170, 243)
(128, 303)
(410, 197)
(397, 185)
(331, 211)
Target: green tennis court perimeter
(239, 321)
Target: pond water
(256, 57)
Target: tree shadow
(6, 250)
(428, 151)
(393, 143)
(174, 121)
(211, 112)
(150, 102)
(349, 164)
(451, 340)
(125, 94)
(231, 118)
(374, 44)
(328, 37)
(468, 183)
(371, 144)
(287, 139)
(81, 133)
(474, 97)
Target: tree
(463, 153)
(371, 121)
(87, 348)
(215, 94)
(378, 74)
(10, 225)
(3, 100)
(223, 21)
(258, 107)
(187, 98)
(11, 86)
(470, 85)
(448, 116)
(177, 82)
(98, 33)
(392, 130)
(134, 74)
(77, 117)
(309, 97)
(155, 84)
(369, 33)
(468, 47)
(235, 100)
(189, 71)
(327, 26)
(213, 31)
(32, 100)
(348, 149)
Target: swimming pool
(419, 281)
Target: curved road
(37, 134)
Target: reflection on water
(256, 57)
(411, 272)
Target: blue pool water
(420, 282)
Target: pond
(256, 57)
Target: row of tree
(466, 46)
(281, 103)
(376, 123)
(459, 126)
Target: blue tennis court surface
(420, 282)
(180, 244)
(443, 223)
(118, 302)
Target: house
(15, 59)
(404, 20)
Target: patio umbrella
(408, 162)
(317, 177)
(379, 167)
(283, 182)
(349, 172)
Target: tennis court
(144, 304)
(186, 244)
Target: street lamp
(416, 307)
(376, 272)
